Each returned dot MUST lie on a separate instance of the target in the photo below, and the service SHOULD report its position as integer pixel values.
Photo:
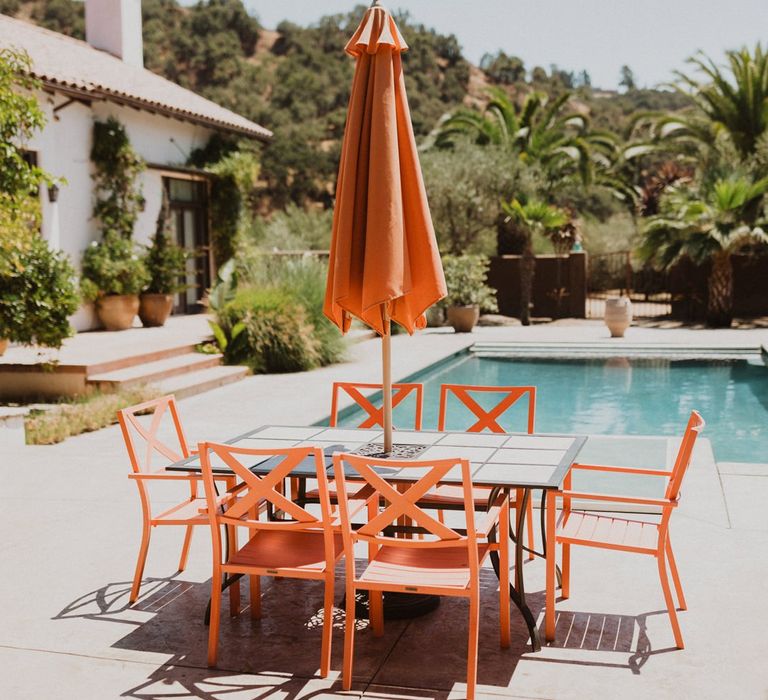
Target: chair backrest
(695, 426)
(141, 451)
(258, 489)
(394, 501)
(487, 419)
(375, 414)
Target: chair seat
(281, 549)
(603, 530)
(438, 567)
(352, 488)
(184, 513)
(448, 495)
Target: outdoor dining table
(501, 462)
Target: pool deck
(70, 541)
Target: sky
(653, 37)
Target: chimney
(115, 26)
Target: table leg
(517, 591)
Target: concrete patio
(71, 523)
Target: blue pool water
(618, 396)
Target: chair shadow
(597, 632)
(280, 652)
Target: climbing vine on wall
(118, 195)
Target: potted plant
(113, 275)
(165, 262)
(468, 292)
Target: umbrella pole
(386, 367)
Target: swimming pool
(617, 396)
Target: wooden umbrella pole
(386, 367)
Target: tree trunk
(527, 266)
(720, 293)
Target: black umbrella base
(397, 606)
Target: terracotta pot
(618, 315)
(3, 346)
(463, 318)
(116, 312)
(154, 309)
(435, 317)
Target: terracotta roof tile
(65, 62)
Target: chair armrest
(491, 518)
(356, 503)
(661, 502)
(228, 497)
(163, 476)
(620, 470)
(193, 450)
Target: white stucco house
(104, 76)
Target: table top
(514, 460)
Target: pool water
(616, 396)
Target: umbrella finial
(376, 3)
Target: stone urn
(3, 346)
(618, 315)
(117, 311)
(463, 318)
(154, 309)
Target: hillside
(295, 80)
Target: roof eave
(263, 136)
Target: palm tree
(534, 216)
(537, 130)
(729, 108)
(709, 226)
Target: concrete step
(133, 359)
(153, 372)
(203, 380)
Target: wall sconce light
(53, 193)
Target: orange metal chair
(289, 543)
(443, 561)
(375, 414)
(186, 513)
(621, 534)
(485, 419)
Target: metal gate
(614, 274)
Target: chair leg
(504, 618)
(529, 526)
(234, 589)
(143, 549)
(675, 576)
(549, 611)
(325, 647)
(254, 585)
(472, 641)
(565, 584)
(669, 601)
(376, 609)
(185, 548)
(213, 628)
(349, 638)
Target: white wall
(63, 149)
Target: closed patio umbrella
(384, 263)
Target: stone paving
(70, 520)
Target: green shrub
(279, 335)
(165, 261)
(465, 277)
(37, 289)
(112, 266)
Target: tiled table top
(515, 461)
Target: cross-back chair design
(374, 417)
(145, 448)
(375, 414)
(285, 540)
(485, 420)
(442, 561)
(620, 534)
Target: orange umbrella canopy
(383, 248)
